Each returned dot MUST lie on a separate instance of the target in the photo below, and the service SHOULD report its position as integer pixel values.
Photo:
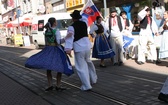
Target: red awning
(25, 20)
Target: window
(63, 24)
(40, 25)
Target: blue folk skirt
(51, 58)
(102, 48)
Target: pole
(18, 15)
(105, 8)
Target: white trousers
(117, 45)
(147, 47)
(85, 69)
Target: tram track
(124, 75)
(110, 99)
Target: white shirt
(82, 44)
(95, 28)
(150, 28)
(115, 31)
(58, 36)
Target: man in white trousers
(146, 45)
(81, 45)
(115, 24)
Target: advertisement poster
(18, 39)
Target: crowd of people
(113, 39)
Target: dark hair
(123, 12)
(98, 17)
(51, 21)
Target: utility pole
(105, 8)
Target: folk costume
(163, 53)
(52, 57)
(146, 44)
(81, 45)
(102, 48)
(128, 40)
(115, 25)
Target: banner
(90, 12)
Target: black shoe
(158, 61)
(163, 97)
(60, 88)
(49, 88)
(140, 63)
(88, 90)
(115, 64)
(154, 62)
(103, 66)
(120, 64)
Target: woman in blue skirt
(52, 57)
(101, 49)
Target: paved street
(130, 84)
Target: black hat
(76, 14)
(113, 9)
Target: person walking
(146, 40)
(52, 57)
(115, 26)
(102, 48)
(81, 45)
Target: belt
(51, 44)
(101, 33)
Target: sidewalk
(12, 93)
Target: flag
(90, 12)
(127, 41)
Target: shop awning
(25, 20)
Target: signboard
(41, 8)
(18, 39)
(26, 40)
(73, 3)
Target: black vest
(80, 30)
(100, 29)
(119, 23)
(127, 23)
(144, 22)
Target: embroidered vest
(50, 36)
